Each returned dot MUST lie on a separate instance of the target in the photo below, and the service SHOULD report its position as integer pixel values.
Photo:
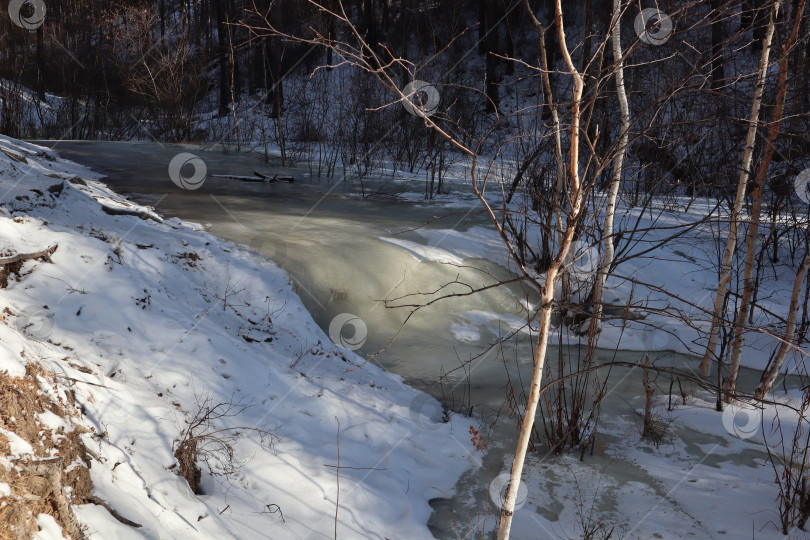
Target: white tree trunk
(615, 182)
(508, 505)
(770, 374)
(750, 251)
(742, 184)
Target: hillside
(206, 337)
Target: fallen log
(275, 178)
(258, 178)
(15, 156)
(12, 264)
(236, 177)
(44, 254)
(121, 211)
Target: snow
(143, 318)
(49, 529)
(456, 246)
(711, 478)
(702, 482)
(465, 332)
(156, 328)
(672, 289)
(51, 421)
(18, 446)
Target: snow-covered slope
(146, 319)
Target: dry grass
(40, 482)
(205, 440)
(187, 456)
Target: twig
(337, 475)
(355, 468)
(271, 511)
(789, 344)
(81, 381)
(94, 499)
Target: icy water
(328, 239)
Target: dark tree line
(149, 68)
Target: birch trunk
(508, 506)
(756, 209)
(731, 244)
(770, 374)
(615, 182)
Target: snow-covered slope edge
(144, 319)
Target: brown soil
(40, 483)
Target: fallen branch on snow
(12, 264)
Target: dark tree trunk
(512, 28)
(586, 48)
(254, 67)
(717, 44)
(755, 17)
(747, 17)
(275, 93)
(405, 75)
(236, 73)
(234, 40)
(223, 56)
(330, 34)
(801, 64)
(369, 26)
(482, 26)
(552, 47)
(386, 16)
(162, 10)
(492, 46)
(40, 67)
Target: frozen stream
(329, 240)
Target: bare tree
(558, 205)
(749, 282)
(577, 197)
(615, 183)
(772, 371)
(769, 375)
(742, 185)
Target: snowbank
(144, 319)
